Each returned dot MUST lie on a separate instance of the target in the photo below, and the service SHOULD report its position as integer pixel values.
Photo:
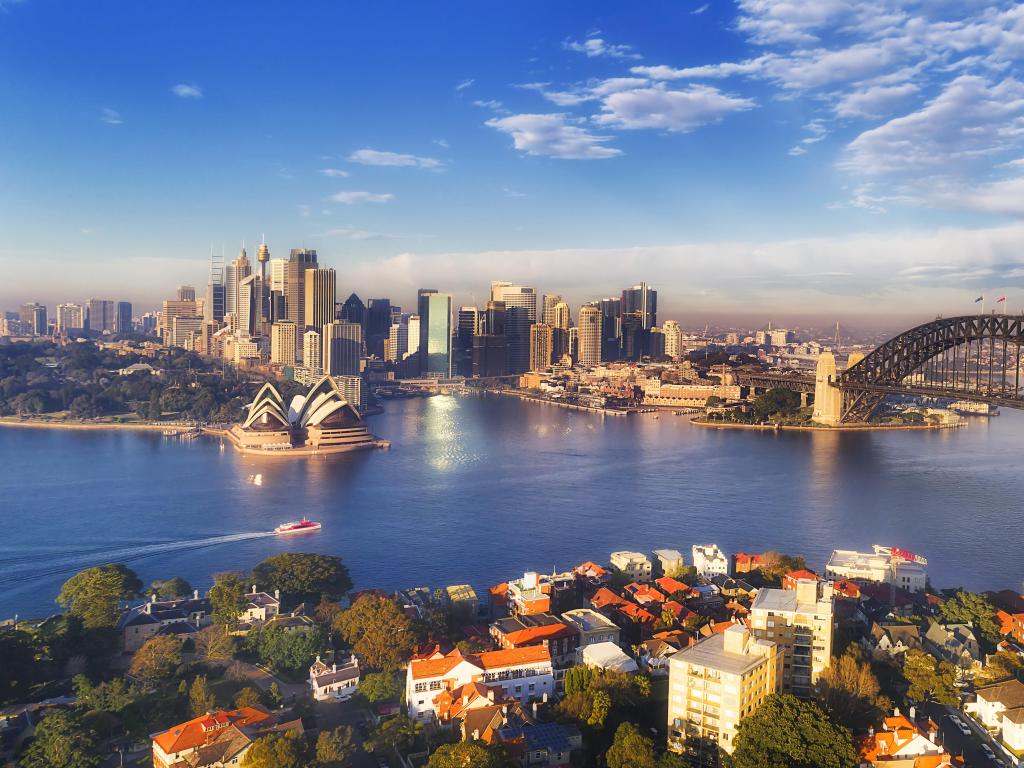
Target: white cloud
(334, 173)
(875, 101)
(393, 159)
(671, 110)
(513, 193)
(797, 151)
(492, 104)
(596, 47)
(700, 10)
(354, 233)
(111, 117)
(187, 91)
(552, 135)
(353, 197)
(464, 84)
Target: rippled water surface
(479, 489)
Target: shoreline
(377, 443)
(799, 428)
(542, 401)
(87, 425)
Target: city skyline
(862, 158)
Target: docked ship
(297, 526)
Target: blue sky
(830, 155)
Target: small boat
(297, 526)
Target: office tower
(33, 316)
(574, 343)
(466, 329)
(150, 322)
(343, 348)
(70, 317)
(611, 328)
(282, 343)
(673, 340)
(263, 299)
(548, 308)
(313, 352)
(186, 293)
(123, 321)
(205, 343)
(656, 343)
(414, 335)
(714, 684)
(278, 274)
(99, 315)
(520, 313)
(642, 301)
(184, 330)
(490, 345)
(589, 336)
(214, 308)
(540, 346)
(320, 296)
(398, 342)
(234, 273)
(353, 311)
(299, 260)
(378, 324)
(247, 306)
(560, 320)
(435, 311)
(800, 622)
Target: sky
(818, 156)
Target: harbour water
(478, 489)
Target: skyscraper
(398, 342)
(263, 299)
(343, 348)
(490, 345)
(560, 321)
(414, 335)
(353, 310)
(673, 339)
(589, 336)
(540, 346)
(70, 317)
(100, 315)
(466, 329)
(186, 293)
(378, 324)
(214, 308)
(282, 343)
(123, 321)
(234, 273)
(611, 330)
(642, 301)
(435, 311)
(247, 305)
(299, 260)
(34, 316)
(520, 314)
(551, 300)
(313, 352)
(320, 296)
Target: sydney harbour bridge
(975, 357)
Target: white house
(709, 560)
(334, 682)
(521, 673)
(607, 656)
(1001, 706)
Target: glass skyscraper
(435, 311)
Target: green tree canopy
(157, 659)
(785, 732)
(287, 651)
(166, 589)
(249, 696)
(19, 670)
(61, 739)
(630, 749)
(287, 750)
(776, 402)
(335, 748)
(929, 679)
(227, 596)
(95, 594)
(112, 696)
(378, 631)
(1001, 666)
(380, 686)
(470, 754)
(200, 697)
(395, 733)
(303, 576)
(976, 611)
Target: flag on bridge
(980, 298)
(1001, 298)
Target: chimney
(277, 595)
(334, 667)
(254, 589)
(490, 694)
(152, 598)
(913, 714)
(535, 708)
(195, 594)
(476, 734)
(896, 712)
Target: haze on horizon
(813, 158)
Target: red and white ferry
(297, 526)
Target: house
(544, 745)
(591, 574)
(1009, 613)
(462, 600)
(539, 629)
(260, 606)
(634, 565)
(790, 580)
(1000, 708)
(144, 621)
(484, 723)
(668, 562)
(605, 598)
(730, 587)
(954, 643)
(709, 596)
(709, 560)
(742, 562)
(334, 681)
(607, 656)
(520, 673)
(591, 627)
(294, 622)
(644, 594)
(216, 739)
(414, 601)
(654, 655)
(904, 743)
(891, 640)
(671, 586)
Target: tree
(95, 594)
(929, 679)
(213, 642)
(380, 686)
(848, 690)
(378, 631)
(286, 750)
(200, 697)
(19, 670)
(274, 696)
(470, 754)
(335, 748)
(774, 565)
(601, 705)
(157, 659)
(114, 696)
(166, 589)
(776, 402)
(397, 733)
(304, 576)
(977, 612)
(630, 749)
(785, 732)
(61, 740)
(248, 697)
(227, 596)
(288, 651)
(1001, 666)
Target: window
(420, 688)
(435, 685)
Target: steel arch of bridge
(918, 361)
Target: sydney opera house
(321, 421)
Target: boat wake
(25, 567)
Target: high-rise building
(343, 348)
(247, 306)
(656, 343)
(673, 340)
(282, 343)
(123, 321)
(186, 293)
(313, 351)
(589, 335)
(574, 343)
(435, 311)
(299, 260)
(716, 683)
(263, 299)
(611, 328)
(70, 317)
(467, 328)
(520, 313)
(234, 273)
(353, 310)
(278, 274)
(33, 316)
(490, 345)
(560, 320)
(214, 308)
(642, 301)
(100, 315)
(320, 296)
(414, 335)
(378, 325)
(540, 346)
(398, 342)
(184, 331)
(552, 300)
(800, 622)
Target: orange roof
(537, 634)
(636, 613)
(739, 608)
(436, 667)
(718, 627)
(802, 573)
(604, 597)
(671, 585)
(489, 660)
(451, 704)
(499, 590)
(747, 559)
(645, 593)
(846, 588)
(193, 733)
(590, 569)
(895, 735)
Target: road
(956, 743)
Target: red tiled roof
(636, 613)
(605, 597)
(846, 588)
(590, 569)
(511, 657)
(671, 586)
(802, 573)
(532, 635)
(194, 733)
